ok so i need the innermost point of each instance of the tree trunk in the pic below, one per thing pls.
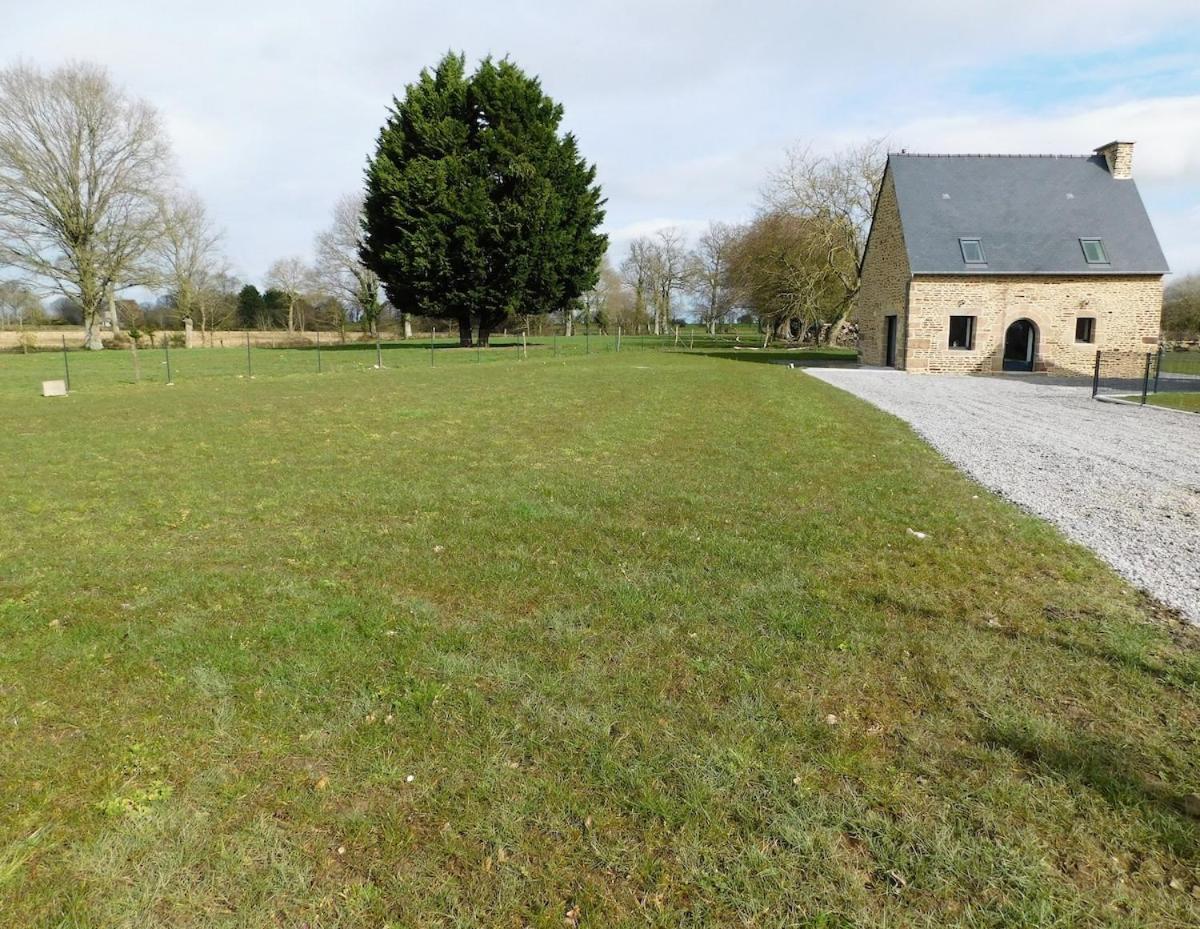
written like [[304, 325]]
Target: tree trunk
[[569, 327], [291, 315], [407, 326], [836, 330], [464, 330], [112, 313], [485, 333], [92, 336]]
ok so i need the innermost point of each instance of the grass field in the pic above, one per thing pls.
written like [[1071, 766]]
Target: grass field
[[635, 639], [22, 374], [1179, 401]]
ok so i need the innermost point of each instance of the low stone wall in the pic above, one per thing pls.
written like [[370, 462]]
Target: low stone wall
[[52, 337]]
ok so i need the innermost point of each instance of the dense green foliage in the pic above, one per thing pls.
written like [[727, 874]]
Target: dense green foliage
[[476, 207], [602, 630], [250, 306], [1181, 309]]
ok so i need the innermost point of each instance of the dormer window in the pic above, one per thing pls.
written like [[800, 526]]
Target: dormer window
[[1093, 251], [972, 251]]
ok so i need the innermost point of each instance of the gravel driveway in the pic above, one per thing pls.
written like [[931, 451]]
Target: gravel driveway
[[1121, 480]]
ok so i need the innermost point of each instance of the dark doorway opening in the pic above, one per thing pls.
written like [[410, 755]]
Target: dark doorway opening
[[1020, 346], [889, 357]]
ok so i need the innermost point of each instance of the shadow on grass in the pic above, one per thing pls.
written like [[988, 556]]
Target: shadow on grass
[[413, 344], [814, 357], [1094, 763]]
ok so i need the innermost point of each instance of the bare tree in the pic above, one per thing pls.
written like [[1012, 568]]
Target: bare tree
[[81, 167], [838, 192], [216, 298], [188, 252], [637, 271], [293, 278], [779, 269], [340, 269], [708, 278], [19, 305], [669, 274], [609, 302]]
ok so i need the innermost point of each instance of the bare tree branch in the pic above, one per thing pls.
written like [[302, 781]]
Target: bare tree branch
[[339, 267], [836, 195], [293, 278]]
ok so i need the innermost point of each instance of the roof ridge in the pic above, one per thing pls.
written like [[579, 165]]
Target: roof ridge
[[906, 154]]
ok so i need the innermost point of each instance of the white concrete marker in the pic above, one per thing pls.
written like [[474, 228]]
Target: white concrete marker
[[54, 388]]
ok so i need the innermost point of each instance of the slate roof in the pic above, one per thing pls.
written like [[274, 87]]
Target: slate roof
[[1029, 212]]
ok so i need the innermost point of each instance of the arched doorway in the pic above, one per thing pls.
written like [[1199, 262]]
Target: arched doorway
[[1020, 346]]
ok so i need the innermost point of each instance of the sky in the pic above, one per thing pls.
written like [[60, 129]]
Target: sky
[[273, 106]]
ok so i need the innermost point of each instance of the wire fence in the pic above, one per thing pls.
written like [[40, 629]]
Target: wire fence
[[1144, 376], [164, 360]]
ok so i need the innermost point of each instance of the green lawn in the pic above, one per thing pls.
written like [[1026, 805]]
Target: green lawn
[[21, 375], [1179, 401], [635, 639], [1181, 362]]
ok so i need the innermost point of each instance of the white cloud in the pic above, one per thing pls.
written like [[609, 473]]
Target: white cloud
[[1166, 129]]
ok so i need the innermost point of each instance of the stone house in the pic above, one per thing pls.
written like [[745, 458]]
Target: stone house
[[978, 263]]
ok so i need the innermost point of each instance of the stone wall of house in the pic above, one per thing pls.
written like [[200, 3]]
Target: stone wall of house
[[1127, 311], [884, 285]]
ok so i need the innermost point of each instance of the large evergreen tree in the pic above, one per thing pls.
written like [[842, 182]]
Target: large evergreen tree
[[476, 206], [250, 307]]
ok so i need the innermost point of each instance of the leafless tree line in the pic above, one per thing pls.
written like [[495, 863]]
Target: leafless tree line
[[336, 282], [90, 206], [793, 267]]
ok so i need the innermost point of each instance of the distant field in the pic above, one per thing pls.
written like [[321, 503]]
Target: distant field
[[635, 639]]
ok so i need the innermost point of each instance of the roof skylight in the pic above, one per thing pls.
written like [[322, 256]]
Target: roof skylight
[[1093, 251], [972, 251]]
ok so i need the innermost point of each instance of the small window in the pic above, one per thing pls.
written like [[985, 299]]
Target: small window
[[1093, 251], [962, 332], [972, 251], [1085, 329]]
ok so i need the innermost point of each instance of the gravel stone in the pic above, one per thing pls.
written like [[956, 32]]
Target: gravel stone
[[1124, 481]]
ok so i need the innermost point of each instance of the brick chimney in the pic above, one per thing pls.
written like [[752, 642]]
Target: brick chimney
[[1119, 156]]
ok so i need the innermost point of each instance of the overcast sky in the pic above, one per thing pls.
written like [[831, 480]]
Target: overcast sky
[[274, 106]]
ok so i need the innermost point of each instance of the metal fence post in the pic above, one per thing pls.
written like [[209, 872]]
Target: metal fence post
[[618, 338], [378, 350], [167, 351], [249, 364], [432, 334], [1157, 367], [66, 364], [1096, 376], [1146, 378], [318, 333]]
